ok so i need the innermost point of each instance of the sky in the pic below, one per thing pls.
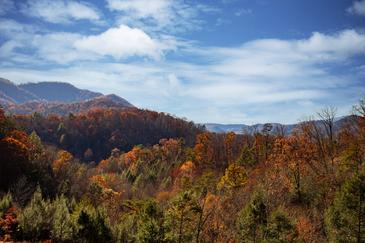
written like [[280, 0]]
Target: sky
[[211, 61]]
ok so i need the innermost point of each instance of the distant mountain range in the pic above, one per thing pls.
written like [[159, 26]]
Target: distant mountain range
[[54, 98], [276, 127], [243, 128]]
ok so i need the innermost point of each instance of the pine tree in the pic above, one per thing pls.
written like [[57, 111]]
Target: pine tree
[[279, 229], [35, 220], [346, 218], [252, 221], [151, 224], [62, 225]]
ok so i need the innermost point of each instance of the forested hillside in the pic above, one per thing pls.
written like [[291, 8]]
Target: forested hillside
[[183, 185], [92, 135]]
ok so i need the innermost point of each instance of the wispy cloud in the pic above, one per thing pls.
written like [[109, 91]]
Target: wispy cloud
[[160, 15], [6, 6], [60, 11], [358, 7], [243, 11]]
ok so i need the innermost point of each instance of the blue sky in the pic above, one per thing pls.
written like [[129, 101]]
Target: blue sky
[[224, 61]]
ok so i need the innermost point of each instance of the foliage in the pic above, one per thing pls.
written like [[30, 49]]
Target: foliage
[[139, 176], [346, 218]]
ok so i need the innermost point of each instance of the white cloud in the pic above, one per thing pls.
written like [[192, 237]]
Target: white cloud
[[120, 42], [358, 7], [218, 84], [60, 11], [160, 15], [6, 6], [65, 47]]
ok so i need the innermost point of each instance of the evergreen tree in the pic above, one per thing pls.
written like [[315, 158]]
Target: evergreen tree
[[62, 225], [252, 221], [35, 220], [279, 229], [346, 218], [151, 224], [93, 226]]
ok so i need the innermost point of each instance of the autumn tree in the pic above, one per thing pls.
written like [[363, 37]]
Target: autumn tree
[[14, 161], [203, 149], [234, 177]]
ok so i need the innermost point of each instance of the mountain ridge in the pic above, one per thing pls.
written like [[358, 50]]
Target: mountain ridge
[[54, 98], [276, 127], [58, 91]]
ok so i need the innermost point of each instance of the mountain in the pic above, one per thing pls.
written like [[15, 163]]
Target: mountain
[[58, 92], [11, 93], [47, 108], [54, 98], [243, 128], [276, 127]]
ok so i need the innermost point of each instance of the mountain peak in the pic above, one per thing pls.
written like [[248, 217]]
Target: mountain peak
[[54, 97]]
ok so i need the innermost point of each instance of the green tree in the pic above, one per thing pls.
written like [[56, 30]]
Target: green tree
[[180, 218], [252, 221], [93, 226], [5, 203], [35, 220], [151, 224], [62, 226], [346, 218], [279, 229]]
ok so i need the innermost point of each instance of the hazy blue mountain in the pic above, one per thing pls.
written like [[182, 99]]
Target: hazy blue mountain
[[11, 93], [243, 128], [54, 98], [58, 92], [276, 127]]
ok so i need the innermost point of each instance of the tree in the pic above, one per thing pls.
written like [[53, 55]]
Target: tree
[[228, 144], [247, 157], [151, 223], [93, 226], [8, 218], [5, 203], [280, 229], [14, 161], [252, 220], [35, 220], [62, 226], [346, 218], [234, 177], [180, 217]]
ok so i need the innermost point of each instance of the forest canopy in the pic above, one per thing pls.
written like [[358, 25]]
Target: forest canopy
[[157, 178]]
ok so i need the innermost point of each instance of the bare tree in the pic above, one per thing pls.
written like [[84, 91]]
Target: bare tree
[[327, 118]]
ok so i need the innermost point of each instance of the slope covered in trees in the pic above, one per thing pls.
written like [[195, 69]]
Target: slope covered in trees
[[306, 187], [92, 135]]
